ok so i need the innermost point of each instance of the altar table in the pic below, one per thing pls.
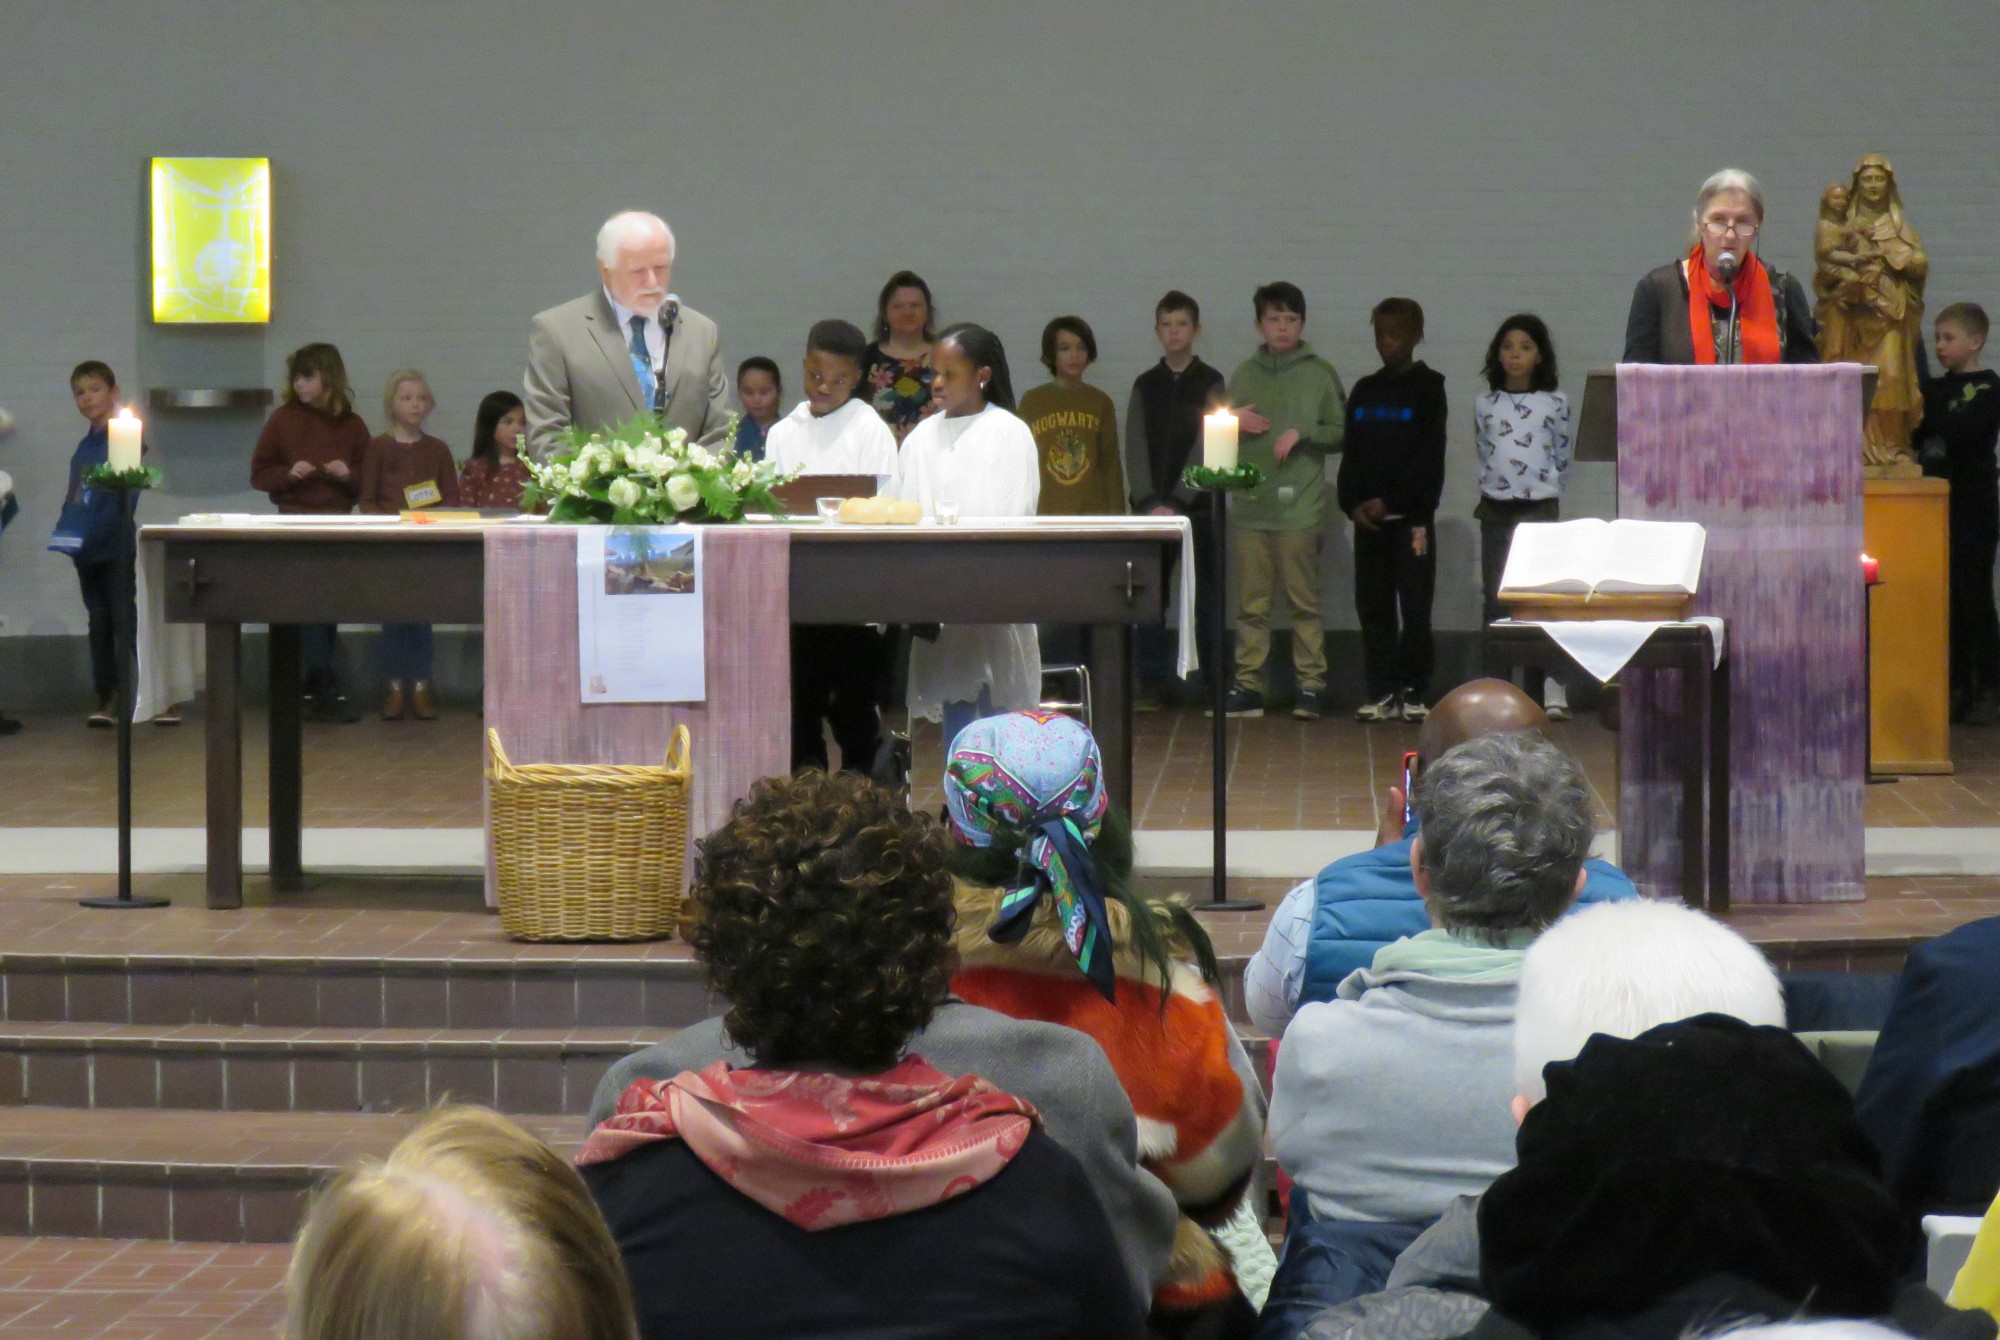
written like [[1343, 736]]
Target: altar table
[[1106, 572]]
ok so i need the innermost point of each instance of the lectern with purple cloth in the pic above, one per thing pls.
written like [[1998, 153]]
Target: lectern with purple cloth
[[1768, 458]]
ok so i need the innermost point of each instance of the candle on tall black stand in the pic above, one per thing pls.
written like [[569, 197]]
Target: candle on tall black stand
[[1217, 475], [126, 641]]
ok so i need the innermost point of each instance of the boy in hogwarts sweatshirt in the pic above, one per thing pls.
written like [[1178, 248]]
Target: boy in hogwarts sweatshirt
[[1391, 474], [1290, 411]]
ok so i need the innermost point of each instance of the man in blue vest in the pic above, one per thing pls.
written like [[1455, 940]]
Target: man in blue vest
[[1333, 923]]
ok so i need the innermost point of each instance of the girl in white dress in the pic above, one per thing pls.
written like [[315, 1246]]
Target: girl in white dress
[[973, 454]]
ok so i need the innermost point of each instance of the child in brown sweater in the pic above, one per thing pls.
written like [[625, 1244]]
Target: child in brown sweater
[[1075, 427], [407, 470], [308, 458]]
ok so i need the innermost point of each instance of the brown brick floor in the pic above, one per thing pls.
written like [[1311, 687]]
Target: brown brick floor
[[139, 1290], [1284, 774]]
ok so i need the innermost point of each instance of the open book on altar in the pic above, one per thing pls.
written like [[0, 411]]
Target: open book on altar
[[1594, 557]]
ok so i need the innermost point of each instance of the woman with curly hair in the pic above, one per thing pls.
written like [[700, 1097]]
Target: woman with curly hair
[[838, 1186], [1049, 929]]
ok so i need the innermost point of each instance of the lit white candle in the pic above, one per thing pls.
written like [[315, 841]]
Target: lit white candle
[[1218, 440], [125, 432]]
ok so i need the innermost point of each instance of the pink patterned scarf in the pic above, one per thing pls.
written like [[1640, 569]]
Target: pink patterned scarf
[[825, 1150]]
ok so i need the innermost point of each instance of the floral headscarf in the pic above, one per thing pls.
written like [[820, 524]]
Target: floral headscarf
[[1038, 774]]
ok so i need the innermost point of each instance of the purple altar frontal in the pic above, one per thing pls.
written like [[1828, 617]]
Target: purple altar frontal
[[1768, 459]]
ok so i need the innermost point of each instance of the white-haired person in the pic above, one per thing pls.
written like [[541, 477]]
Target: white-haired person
[[1719, 303], [628, 346], [471, 1229], [1390, 1100]]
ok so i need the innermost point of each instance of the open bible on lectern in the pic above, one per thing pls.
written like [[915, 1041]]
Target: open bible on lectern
[[1596, 557]]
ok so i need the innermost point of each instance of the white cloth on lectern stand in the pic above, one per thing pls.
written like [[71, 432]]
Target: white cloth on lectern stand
[[1603, 646]]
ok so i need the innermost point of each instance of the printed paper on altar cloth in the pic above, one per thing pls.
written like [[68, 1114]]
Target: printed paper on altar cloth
[[639, 614]]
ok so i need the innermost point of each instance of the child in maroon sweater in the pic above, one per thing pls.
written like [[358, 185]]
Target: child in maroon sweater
[[308, 458], [407, 470]]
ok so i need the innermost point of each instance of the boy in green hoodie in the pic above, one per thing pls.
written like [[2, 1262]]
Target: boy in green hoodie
[[1291, 412]]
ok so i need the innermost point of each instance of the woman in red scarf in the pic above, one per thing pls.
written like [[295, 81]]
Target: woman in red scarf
[[1720, 303], [840, 1186]]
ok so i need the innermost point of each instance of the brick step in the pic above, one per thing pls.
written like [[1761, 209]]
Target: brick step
[[595, 986], [185, 1176], [161, 1290], [256, 1069]]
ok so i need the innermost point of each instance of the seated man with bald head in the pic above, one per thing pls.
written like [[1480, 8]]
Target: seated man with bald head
[[630, 345], [1334, 923]]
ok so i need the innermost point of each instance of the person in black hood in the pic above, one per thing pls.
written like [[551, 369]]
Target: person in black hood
[[1705, 1173]]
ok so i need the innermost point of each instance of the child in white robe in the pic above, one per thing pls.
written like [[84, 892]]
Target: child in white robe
[[832, 431], [840, 672], [977, 456]]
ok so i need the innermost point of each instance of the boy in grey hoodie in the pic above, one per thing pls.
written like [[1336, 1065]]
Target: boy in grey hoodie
[[1392, 1099]]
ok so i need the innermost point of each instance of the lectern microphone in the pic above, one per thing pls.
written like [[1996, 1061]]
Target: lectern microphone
[[1726, 266]]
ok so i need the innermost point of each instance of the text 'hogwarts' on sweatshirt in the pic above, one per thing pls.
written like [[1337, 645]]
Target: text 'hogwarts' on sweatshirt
[[1395, 443], [1295, 390], [1076, 441]]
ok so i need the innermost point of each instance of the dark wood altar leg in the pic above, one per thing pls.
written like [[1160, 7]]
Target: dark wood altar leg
[[1694, 883], [1718, 787], [286, 745], [225, 765], [1109, 655]]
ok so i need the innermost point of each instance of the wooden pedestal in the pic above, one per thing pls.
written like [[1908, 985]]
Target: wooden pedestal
[[1907, 527]]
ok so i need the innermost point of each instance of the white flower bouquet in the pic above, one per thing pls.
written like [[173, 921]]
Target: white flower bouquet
[[637, 475]]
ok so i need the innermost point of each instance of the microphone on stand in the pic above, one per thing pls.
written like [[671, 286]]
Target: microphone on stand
[[669, 316], [1726, 265]]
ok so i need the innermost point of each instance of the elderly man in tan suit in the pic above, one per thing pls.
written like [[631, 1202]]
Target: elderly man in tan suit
[[629, 346]]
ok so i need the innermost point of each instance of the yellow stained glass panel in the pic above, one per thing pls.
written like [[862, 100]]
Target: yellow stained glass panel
[[211, 240]]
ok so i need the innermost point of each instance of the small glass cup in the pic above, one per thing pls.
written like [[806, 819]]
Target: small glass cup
[[947, 514], [829, 508]]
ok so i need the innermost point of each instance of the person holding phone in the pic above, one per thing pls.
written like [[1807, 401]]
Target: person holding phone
[[1335, 922]]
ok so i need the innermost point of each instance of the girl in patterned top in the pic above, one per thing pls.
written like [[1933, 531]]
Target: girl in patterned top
[[896, 372], [1522, 429], [493, 475]]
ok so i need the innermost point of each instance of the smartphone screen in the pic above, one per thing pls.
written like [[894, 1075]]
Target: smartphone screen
[[1409, 785]]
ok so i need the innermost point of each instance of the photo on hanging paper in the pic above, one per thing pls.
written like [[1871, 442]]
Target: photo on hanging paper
[[646, 563], [640, 651]]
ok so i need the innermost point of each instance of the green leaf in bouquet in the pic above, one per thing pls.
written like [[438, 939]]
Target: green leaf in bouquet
[[718, 496]]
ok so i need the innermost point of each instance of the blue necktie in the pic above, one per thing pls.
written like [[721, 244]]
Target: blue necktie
[[642, 363]]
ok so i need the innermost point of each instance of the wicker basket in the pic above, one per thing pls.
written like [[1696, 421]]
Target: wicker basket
[[589, 851]]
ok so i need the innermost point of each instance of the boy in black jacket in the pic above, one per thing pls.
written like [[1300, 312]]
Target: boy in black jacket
[[1391, 474], [1957, 438], [1162, 429]]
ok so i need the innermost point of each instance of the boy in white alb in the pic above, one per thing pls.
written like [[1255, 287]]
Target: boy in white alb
[[832, 432], [840, 672]]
